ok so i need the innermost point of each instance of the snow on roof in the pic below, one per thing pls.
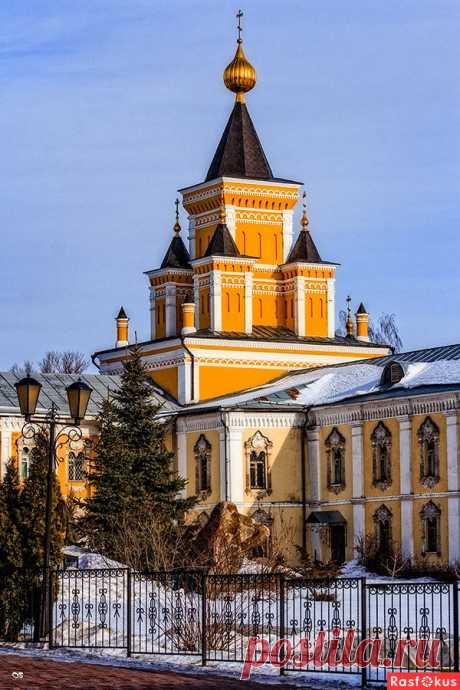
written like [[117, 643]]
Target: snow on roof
[[332, 384]]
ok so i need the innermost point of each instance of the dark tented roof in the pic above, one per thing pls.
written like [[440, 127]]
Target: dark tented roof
[[222, 243], [304, 249], [240, 153], [361, 309], [177, 255], [122, 314]]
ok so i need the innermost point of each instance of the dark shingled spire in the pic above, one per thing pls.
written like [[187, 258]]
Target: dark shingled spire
[[122, 314], [361, 309], [177, 255], [222, 243], [304, 250], [240, 153]]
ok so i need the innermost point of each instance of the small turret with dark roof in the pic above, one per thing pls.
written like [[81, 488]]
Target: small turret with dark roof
[[304, 249], [222, 243], [361, 309], [177, 255]]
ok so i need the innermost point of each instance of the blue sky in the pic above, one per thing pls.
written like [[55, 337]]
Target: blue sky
[[109, 106]]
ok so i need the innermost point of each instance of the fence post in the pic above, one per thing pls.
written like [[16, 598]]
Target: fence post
[[128, 614], [50, 609], [456, 623], [363, 626], [282, 622], [203, 619]]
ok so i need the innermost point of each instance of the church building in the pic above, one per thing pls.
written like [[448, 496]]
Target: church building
[[245, 298]]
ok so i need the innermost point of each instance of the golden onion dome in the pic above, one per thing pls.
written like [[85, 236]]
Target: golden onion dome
[[240, 75]]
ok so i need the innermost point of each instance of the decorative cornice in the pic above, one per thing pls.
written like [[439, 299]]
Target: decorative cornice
[[384, 409]]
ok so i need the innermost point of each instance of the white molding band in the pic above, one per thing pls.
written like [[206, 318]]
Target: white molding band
[[170, 303], [299, 313], [331, 307], [248, 288], [216, 301]]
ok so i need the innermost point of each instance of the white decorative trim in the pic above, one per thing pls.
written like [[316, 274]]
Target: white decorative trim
[[384, 409], [216, 301], [314, 464], [405, 437], [357, 461], [208, 422], [299, 314], [407, 529], [235, 465], [153, 314], [170, 304], [452, 451], [331, 307], [248, 293], [287, 232]]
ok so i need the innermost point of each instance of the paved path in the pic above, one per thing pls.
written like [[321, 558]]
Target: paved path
[[44, 674]]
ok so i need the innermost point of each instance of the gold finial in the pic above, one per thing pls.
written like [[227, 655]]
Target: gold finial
[[304, 219], [349, 323], [222, 218], [177, 227], [239, 75]]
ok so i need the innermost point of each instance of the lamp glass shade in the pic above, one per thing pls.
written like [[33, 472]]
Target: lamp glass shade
[[28, 389], [78, 395]]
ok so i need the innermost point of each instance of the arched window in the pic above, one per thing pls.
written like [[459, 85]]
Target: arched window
[[275, 245], [431, 522], [260, 308], [243, 234], [25, 464], [381, 443], [75, 468], [335, 451], [259, 237], [202, 451], [428, 441], [228, 301], [310, 304], [383, 518], [238, 301], [258, 475]]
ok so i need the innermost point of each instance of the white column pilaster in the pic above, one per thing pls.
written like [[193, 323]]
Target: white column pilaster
[[5, 450], [230, 219], [405, 483], [453, 502], [287, 233], [357, 464], [222, 466], [182, 459], [331, 307], [170, 305], [191, 236], [248, 283], [235, 459], [299, 312], [196, 299], [216, 301], [153, 315], [314, 466]]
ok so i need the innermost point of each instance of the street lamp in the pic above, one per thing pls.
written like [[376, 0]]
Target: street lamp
[[78, 395]]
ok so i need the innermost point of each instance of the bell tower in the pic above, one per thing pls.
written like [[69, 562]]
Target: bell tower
[[243, 303]]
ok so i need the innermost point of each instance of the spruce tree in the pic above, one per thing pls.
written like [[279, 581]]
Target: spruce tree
[[12, 578], [132, 471]]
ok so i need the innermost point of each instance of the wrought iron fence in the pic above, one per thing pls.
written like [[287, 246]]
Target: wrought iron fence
[[416, 624]]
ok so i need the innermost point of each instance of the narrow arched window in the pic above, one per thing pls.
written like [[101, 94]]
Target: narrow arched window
[[381, 443], [24, 469], [310, 304], [243, 234], [259, 237], [258, 474], [335, 452], [202, 452], [428, 440], [228, 301], [431, 524], [383, 519], [260, 308], [275, 245], [238, 301], [75, 467]]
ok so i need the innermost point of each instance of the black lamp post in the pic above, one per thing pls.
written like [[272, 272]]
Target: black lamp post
[[78, 395]]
